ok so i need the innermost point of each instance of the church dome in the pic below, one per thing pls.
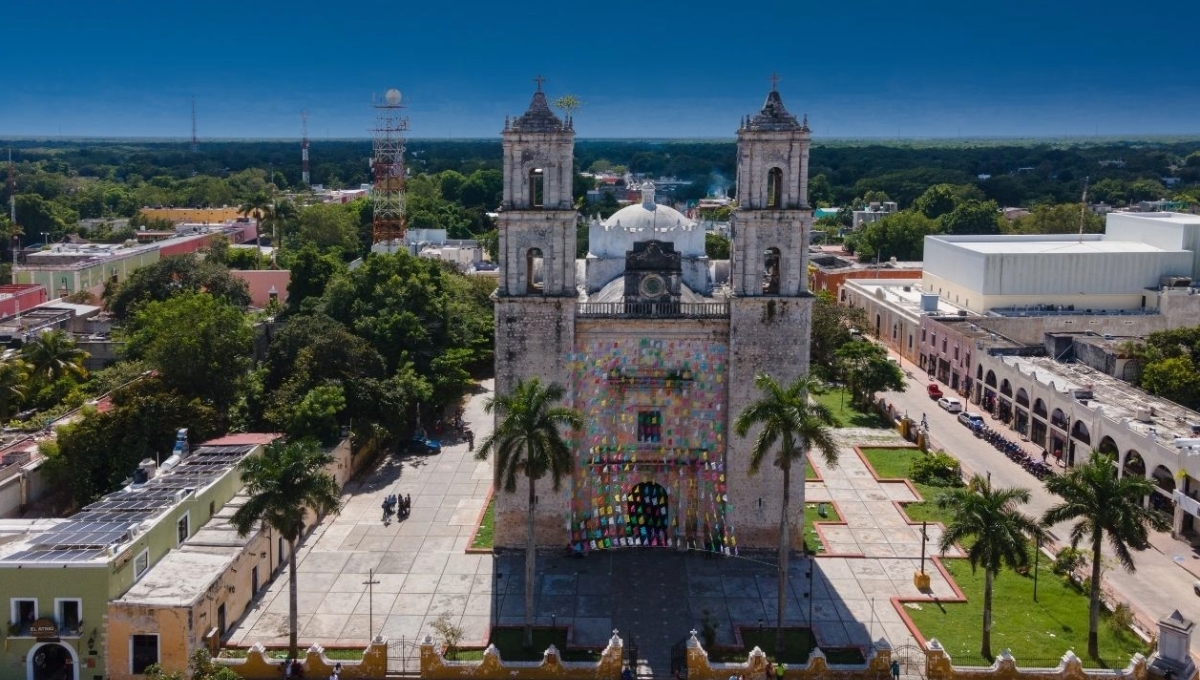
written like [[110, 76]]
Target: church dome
[[649, 220]]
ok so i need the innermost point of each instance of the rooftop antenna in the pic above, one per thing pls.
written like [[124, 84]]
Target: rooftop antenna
[[1083, 209], [195, 141], [304, 148]]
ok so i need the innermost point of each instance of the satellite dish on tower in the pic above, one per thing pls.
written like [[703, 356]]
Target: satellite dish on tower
[[393, 97]]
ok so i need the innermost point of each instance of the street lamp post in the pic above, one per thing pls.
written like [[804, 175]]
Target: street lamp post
[[370, 584]]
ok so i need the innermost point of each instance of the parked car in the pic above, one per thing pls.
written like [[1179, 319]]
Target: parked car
[[935, 391], [971, 420], [423, 445], [950, 404]]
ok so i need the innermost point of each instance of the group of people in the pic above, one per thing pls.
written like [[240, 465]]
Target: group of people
[[401, 505]]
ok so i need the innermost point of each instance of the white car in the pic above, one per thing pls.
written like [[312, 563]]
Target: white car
[[950, 404]]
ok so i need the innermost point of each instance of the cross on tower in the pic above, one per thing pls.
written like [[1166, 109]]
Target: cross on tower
[[539, 80], [774, 81]]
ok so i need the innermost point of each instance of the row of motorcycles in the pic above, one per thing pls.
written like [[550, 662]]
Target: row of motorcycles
[[1014, 452]]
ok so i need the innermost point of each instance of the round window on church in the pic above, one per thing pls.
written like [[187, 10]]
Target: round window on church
[[653, 286]]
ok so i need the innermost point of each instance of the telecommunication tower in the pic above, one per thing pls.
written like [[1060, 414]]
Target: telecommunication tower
[[387, 169], [195, 141], [304, 149]]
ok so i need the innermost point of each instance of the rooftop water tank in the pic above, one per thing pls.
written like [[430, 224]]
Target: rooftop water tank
[[929, 302]]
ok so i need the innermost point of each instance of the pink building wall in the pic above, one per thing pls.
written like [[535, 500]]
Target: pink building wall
[[261, 281], [19, 297]]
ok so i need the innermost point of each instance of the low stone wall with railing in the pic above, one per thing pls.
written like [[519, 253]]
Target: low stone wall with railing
[[878, 665], [434, 666], [939, 666], [314, 664]]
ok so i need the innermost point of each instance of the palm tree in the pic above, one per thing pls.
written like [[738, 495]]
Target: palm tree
[[989, 516], [53, 355], [792, 422], [1104, 504], [284, 483], [257, 205], [274, 213], [14, 385], [528, 441]]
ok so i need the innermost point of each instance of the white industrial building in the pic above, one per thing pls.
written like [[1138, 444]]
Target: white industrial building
[[1083, 273]]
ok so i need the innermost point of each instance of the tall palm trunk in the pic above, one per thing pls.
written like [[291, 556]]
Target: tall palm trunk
[[784, 546], [986, 648], [293, 600], [530, 568], [1094, 614]]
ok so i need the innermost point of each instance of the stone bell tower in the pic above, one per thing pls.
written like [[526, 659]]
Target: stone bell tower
[[535, 301], [770, 312]]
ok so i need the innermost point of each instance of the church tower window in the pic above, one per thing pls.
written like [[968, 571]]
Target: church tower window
[[533, 271], [771, 265], [775, 188], [537, 188]]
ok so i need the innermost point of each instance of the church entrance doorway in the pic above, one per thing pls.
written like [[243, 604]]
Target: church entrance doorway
[[51, 661], [646, 507]]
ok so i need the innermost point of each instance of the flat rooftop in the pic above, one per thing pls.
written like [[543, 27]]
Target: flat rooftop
[[1119, 400], [98, 531], [1019, 246], [907, 294]]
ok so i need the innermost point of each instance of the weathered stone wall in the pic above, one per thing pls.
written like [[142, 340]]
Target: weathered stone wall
[[534, 337], [550, 231], [257, 666], [435, 667], [767, 335], [755, 232]]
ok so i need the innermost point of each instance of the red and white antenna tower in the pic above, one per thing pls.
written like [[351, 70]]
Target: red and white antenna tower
[[195, 140], [387, 170], [304, 176]]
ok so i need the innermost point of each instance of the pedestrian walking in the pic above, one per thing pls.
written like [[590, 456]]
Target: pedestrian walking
[[895, 670], [470, 440]]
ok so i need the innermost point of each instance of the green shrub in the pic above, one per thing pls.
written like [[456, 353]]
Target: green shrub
[[936, 469], [1068, 560]]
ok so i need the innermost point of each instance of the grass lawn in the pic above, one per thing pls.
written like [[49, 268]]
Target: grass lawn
[[1037, 633], [837, 400], [896, 464], [487, 527], [797, 645], [811, 542]]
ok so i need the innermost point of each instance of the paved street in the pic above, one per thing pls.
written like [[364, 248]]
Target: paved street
[[1164, 576]]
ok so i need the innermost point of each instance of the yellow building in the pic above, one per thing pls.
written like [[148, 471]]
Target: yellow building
[[193, 215], [190, 598]]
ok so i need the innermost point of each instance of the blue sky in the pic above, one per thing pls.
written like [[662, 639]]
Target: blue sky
[[652, 69]]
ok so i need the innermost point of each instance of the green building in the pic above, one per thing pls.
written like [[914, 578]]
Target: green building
[[57, 576]]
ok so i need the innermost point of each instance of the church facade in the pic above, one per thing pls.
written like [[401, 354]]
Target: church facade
[[656, 360]]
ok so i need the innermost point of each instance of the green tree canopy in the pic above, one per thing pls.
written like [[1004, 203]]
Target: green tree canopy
[[900, 235], [328, 226], [172, 275], [199, 344], [865, 368]]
